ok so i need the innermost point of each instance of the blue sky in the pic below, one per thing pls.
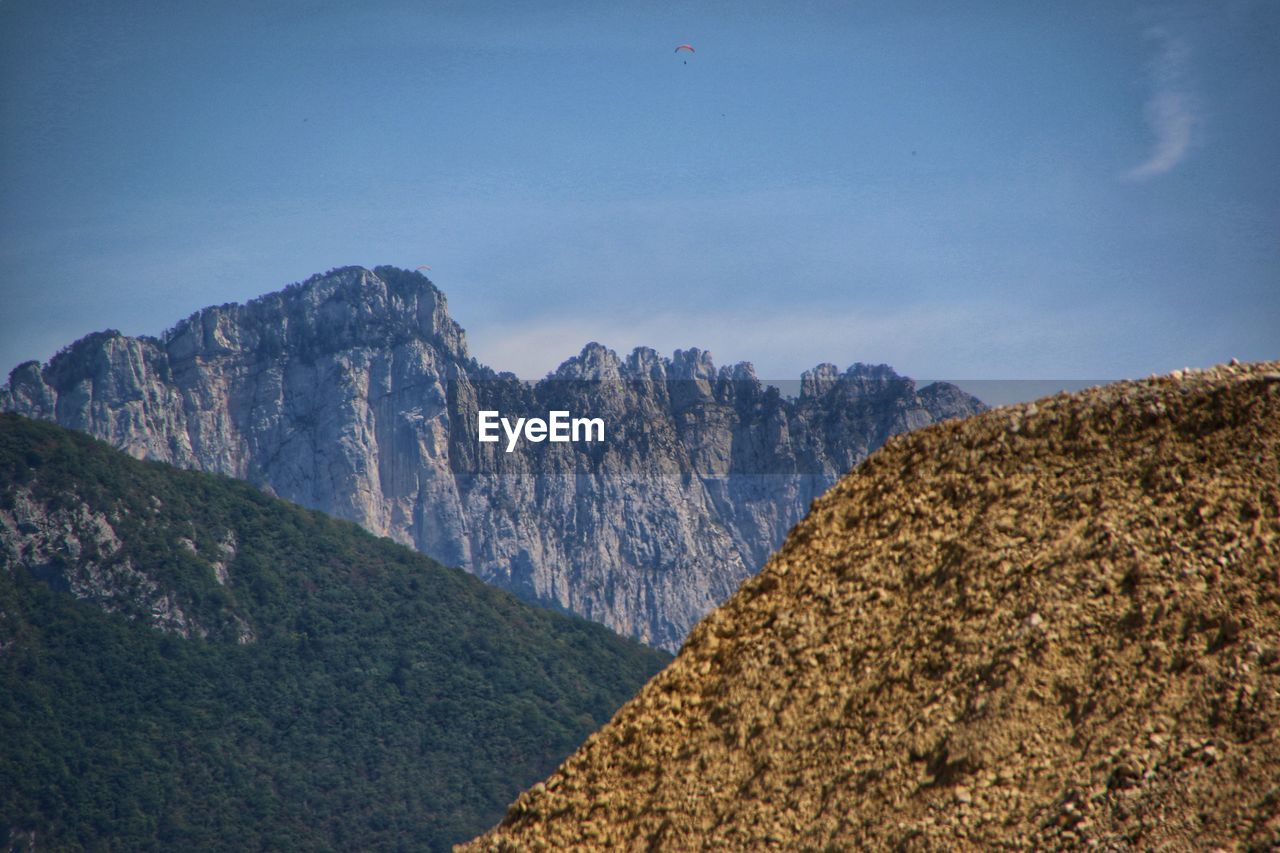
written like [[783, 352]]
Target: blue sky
[[1008, 190]]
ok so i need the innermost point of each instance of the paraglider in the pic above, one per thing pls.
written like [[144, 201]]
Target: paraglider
[[687, 47], [424, 267]]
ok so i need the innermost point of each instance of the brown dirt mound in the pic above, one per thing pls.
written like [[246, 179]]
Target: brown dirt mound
[[1052, 625]]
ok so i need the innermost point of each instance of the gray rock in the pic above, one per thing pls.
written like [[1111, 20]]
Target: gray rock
[[76, 549], [354, 393]]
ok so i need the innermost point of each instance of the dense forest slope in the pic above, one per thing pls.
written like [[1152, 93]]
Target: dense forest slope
[[1054, 625], [187, 663], [354, 393]]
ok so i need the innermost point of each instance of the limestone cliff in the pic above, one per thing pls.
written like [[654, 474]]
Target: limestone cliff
[[354, 393]]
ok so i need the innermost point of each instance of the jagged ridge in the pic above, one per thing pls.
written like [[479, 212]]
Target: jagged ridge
[[354, 393]]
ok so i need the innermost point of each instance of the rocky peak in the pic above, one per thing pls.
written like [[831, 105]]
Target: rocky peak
[[352, 392], [819, 380], [27, 392], [347, 308], [645, 363], [857, 380], [595, 363], [743, 371], [693, 364]]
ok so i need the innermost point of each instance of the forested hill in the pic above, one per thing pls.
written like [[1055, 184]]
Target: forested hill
[[188, 663]]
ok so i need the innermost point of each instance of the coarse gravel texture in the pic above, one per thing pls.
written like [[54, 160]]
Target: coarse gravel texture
[[1053, 625]]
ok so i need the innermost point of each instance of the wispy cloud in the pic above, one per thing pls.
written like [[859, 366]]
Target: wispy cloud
[[947, 340], [780, 343], [1170, 110]]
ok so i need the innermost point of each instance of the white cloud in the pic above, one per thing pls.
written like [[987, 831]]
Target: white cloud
[[943, 340], [1171, 118], [1170, 110], [772, 341]]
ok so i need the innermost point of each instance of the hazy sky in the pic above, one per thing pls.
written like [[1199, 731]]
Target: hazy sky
[[1008, 190]]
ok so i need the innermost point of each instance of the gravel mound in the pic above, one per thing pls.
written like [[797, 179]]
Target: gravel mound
[[1051, 625]]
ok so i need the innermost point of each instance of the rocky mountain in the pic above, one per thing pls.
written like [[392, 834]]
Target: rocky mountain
[[189, 664], [1050, 626], [354, 393]]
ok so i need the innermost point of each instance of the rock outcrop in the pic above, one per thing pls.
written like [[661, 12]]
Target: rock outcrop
[[354, 393], [73, 547], [1050, 626]]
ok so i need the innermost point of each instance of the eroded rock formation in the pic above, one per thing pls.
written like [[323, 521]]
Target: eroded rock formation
[[354, 393]]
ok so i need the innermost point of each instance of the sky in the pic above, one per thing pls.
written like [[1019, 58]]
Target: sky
[[998, 190]]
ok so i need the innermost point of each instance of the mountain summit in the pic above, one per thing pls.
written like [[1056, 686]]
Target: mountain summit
[[354, 393]]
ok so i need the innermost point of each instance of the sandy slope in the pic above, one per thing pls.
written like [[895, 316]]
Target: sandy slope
[[1050, 625]]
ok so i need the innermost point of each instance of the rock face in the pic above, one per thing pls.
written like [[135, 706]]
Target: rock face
[[73, 547], [1051, 626], [354, 393]]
